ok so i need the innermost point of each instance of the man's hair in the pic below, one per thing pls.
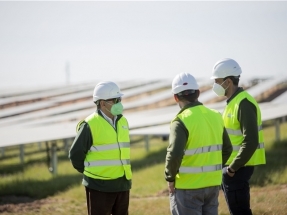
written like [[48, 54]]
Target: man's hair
[[234, 79], [98, 104], [188, 95]]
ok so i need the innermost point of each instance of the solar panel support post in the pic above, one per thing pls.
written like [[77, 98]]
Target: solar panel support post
[[54, 158], [146, 138], [21, 148], [40, 146], [2, 149], [277, 129], [66, 145]]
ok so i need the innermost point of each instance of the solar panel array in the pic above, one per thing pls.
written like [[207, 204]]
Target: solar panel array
[[52, 113]]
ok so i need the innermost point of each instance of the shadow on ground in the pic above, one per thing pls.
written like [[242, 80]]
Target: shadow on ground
[[17, 167], [276, 162], [150, 159], [30, 189]]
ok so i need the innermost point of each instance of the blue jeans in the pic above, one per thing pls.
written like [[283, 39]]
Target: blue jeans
[[237, 191], [202, 201]]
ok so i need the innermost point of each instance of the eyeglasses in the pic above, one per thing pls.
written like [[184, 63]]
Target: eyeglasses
[[115, 100]]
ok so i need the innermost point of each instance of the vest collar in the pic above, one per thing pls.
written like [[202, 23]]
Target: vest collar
[[109, 120], [239, 90], [190, 105], [103, 115]]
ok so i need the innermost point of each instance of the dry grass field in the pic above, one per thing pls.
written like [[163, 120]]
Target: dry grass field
[[32, 190]]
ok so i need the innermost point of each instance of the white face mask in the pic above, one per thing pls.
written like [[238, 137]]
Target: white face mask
[[218, 89]]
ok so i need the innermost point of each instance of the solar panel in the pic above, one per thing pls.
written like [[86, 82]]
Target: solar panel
[[59, 122]]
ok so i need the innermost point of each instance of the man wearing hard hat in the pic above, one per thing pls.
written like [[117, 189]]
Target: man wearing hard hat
[[198, 147], [242, 119], [101, 151]]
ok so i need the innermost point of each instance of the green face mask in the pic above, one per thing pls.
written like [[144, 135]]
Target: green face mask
[[116, 108]]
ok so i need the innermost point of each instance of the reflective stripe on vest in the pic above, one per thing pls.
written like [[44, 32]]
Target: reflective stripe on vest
[[203, 156], [110, 146], [260, 146], [238, 132], [205, 149], [200, 169], [107, 163], [109, 156], [236, 136]]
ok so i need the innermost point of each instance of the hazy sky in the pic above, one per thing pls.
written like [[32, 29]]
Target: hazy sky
[[137, 40]]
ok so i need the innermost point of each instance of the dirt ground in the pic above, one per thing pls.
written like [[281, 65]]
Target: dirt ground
[[265, 201], [22, 204]]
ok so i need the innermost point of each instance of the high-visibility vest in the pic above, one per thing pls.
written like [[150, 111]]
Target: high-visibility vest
[[232, 126], [202, 161], [109, 155]]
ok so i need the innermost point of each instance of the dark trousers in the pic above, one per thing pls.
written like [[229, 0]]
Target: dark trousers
[[107, 203], [237, 191]]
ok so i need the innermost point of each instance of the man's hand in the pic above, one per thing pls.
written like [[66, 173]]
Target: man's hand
[[170, 187], [230, 171]]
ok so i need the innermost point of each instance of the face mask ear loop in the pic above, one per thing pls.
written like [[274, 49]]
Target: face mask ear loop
[[107, 109], [223, 82], [226, 87]]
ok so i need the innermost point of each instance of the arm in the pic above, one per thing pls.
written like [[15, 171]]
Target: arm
[[80, 147], [247, 116], [175, 151], [226, 147]]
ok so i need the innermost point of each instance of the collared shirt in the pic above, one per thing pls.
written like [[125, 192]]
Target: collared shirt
[[112, 122]]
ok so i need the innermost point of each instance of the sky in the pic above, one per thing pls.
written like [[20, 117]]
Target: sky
[[42, 42]]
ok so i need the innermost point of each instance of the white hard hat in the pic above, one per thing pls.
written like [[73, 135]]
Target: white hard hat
[[183, 81], [224, 68], [106, 90]]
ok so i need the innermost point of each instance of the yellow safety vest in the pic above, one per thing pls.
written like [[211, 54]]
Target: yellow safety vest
[[202, 161], [235, 134], [109, 155]]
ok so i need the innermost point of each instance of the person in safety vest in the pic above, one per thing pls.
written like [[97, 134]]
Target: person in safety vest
[[101, 151], [242, 119], [198, 147]]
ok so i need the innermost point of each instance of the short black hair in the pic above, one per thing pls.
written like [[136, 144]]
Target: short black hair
[[188, 95], [234, 79], [98, 104]]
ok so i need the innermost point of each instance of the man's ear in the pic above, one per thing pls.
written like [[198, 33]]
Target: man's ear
[[175, 97], [102, 103], [229, 81]]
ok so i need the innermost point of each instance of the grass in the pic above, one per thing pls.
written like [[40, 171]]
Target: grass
[[39, 192]]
